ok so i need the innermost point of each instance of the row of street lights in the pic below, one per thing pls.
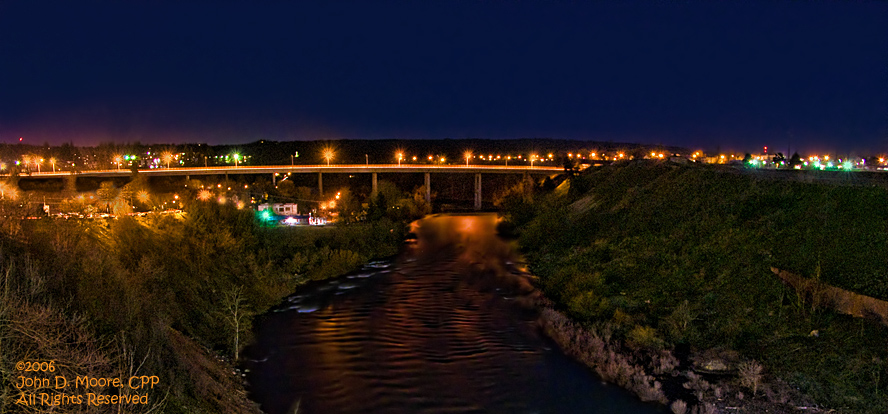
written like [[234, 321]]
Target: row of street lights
[[328, 154], [27, 160], [168, 157], [469, 155]]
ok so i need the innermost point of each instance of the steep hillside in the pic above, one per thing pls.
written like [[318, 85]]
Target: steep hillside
[[672, 257]]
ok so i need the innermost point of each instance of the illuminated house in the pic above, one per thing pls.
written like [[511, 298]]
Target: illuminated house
[[279, 209]]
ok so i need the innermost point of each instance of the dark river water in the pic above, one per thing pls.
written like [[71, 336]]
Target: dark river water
[[443, 328]]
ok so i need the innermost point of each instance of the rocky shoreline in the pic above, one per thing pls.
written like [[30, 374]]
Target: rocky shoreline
[[707, 382]]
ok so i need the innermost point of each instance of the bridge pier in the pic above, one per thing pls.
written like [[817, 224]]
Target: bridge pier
[[321, 184], [478, 191], [428, 188], [373, 192], [274, 180]]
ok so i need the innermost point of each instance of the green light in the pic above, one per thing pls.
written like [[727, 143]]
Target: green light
[[847, 165]]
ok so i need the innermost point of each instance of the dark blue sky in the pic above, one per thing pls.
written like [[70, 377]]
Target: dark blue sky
[[813, 75]]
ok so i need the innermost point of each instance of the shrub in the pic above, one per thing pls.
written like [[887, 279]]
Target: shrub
[[644, 337], [750, 375], [664, 362], [679, 407]]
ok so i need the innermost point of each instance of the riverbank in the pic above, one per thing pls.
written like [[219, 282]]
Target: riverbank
[[657, 377], [663, 376], [660, 274], [167, 298]]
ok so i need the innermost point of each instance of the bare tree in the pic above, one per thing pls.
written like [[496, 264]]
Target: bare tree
[[235, 314]]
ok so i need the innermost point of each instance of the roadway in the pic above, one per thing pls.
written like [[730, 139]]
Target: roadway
[[308, 169]]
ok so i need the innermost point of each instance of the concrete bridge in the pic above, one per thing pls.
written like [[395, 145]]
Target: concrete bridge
[[372, 169]]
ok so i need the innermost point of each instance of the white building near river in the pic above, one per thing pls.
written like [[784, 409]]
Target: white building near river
[[280, 209]]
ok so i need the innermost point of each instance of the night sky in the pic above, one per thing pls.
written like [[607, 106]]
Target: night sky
[[811, 76]]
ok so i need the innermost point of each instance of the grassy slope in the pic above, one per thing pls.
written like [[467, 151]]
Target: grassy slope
[[687, 251]]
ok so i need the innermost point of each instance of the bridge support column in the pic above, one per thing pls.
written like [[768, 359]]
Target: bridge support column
[[428, 188], [478, 191], [321, 184], [187, 178], [274, 179], [374, 184]]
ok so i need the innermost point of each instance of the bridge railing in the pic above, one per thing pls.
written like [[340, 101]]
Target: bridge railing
[[312, 168]]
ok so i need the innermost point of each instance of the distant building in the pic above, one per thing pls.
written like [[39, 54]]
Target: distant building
[[279, 209], [306, 220], [298, 220]]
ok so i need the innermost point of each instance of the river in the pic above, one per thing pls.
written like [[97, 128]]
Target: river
[[443, 328]]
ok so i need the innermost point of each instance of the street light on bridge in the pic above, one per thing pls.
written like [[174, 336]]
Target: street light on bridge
[[468, 155], [328, 155], [236, 158], [117, 159], [400, 157]]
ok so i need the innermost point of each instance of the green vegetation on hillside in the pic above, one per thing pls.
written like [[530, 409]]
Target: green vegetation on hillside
[[159, 295], [679, 256]]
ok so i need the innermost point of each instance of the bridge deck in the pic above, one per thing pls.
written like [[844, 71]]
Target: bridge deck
[[339, 168]]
